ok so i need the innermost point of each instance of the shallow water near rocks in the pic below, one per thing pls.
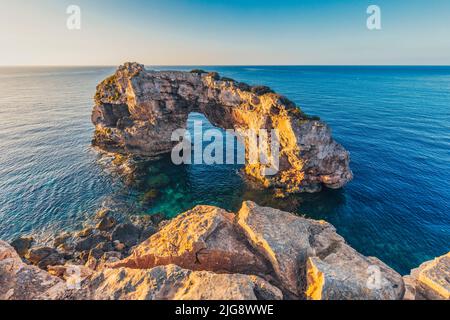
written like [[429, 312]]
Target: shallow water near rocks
[[395, 121]]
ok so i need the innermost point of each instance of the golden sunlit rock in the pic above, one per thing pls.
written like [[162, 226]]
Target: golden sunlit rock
[[136, 111], [209, 253], [431, 280], [203, 238], [311, 260], [171, 282]]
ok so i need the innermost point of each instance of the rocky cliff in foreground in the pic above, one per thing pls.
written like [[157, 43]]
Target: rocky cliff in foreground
[[209, 253], [137, 110], [430, 281]]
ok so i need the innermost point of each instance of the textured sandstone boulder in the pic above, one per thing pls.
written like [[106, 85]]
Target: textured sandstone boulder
[[126, 233], [347, 275], [22, 245], [311, 259], [174, 283], [106, 223], [281, 237], [204, 238], [19, 281], [43, 257], [430, 281], [137, 110]]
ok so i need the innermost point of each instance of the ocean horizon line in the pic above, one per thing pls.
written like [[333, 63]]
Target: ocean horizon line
[[229, 65]]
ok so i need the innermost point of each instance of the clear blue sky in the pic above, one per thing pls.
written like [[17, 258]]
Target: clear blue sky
[[209, 32]]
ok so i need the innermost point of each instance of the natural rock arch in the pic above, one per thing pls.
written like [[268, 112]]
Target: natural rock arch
[[136, 111]]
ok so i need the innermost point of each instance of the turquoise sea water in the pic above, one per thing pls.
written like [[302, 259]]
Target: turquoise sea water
[[395, 121]]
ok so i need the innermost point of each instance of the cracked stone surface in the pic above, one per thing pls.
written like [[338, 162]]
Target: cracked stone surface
[[19, 281], [430, 281], [204, 238], [171, 282], [304, 258], [312, 260]]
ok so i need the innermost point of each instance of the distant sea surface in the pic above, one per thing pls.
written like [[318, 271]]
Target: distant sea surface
[[395, 121]]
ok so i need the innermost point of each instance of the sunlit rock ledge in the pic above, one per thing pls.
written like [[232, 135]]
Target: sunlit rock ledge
[[136, 111], [430, 281], [209, 253]]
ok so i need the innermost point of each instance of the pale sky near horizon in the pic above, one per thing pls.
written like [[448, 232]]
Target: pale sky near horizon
[[213, 32]]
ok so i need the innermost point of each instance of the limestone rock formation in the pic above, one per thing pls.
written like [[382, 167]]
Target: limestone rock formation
[[284, 244], [171, 282], [209, 253], [311, 259], [304, 258], [137, 110], [347, 275], [430, 281], [19, 281], [203, 238], [22, 245]]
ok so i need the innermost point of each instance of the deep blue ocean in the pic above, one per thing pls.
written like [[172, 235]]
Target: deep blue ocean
[[395, 121]]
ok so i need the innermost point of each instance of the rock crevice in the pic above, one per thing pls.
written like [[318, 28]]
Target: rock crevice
[[288, 251]]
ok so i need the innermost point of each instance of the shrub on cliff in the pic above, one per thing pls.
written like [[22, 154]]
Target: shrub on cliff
[[260, 90], [227, 79], [198, 71], [109, 90], [214, 75]]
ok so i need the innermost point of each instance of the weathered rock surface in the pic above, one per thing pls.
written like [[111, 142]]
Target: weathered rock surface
[[19, 281], [44, 256], [107, 238], [22, 245], [137, 110], [430, 281], [203, 238], [311, 259], [89, 242], [284, 244], [209, 253], [106, 223], [347, 275], [303, 257], [171, 282], [127, 233]]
